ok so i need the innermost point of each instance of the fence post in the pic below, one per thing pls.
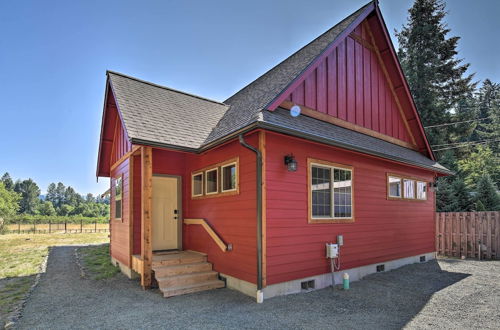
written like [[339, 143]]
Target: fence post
[[34, 226], [19, 226], [65, 226], [81, 225], [95, 226]]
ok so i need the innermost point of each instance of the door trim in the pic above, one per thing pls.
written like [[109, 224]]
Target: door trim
[[179, 206]]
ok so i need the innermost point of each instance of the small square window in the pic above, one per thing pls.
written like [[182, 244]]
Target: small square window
[[118, 197], [394, 187], [211, 181], [421, 190], [197, 185], [409, 188], [229, 177]]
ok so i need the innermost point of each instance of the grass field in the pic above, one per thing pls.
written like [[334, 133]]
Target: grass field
[[57, 226], [21, 256], [97, 263]]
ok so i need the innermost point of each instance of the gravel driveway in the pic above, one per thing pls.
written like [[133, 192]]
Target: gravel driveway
[[446, 294]]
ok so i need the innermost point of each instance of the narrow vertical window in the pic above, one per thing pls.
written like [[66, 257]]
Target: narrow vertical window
[[409, 188], [321, 192], [197, 185], [421, 190], [394, 184], [118, 197], [229, 177], [211, 181]]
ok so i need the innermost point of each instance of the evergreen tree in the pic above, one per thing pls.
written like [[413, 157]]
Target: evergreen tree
[[7, 181], [46, 208], [51, 194], [489, 108], [9, 201], [487, 195], [30, 194], [60, 195], [444, 196], [428, 56], [462, 201]]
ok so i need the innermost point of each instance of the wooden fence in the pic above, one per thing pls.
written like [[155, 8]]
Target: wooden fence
[[468, 234]]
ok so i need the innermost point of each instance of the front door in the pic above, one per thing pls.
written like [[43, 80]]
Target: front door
[[166, 213]]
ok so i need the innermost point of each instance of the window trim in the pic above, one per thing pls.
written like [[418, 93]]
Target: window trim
[[220, 193], [119, 177], [202, 183], [222, 177], [332, 165], [415, 186], [426, 185], [216, 169], [389, 187]]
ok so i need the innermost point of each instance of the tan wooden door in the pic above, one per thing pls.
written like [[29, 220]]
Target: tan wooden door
[[165, 213]]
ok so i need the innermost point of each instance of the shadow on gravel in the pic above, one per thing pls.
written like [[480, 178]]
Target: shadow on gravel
[[386, 300]]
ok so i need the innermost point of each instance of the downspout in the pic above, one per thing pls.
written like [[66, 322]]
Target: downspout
[[259, 214]]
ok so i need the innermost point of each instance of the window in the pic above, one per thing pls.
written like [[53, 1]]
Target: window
[[229, 177], [409, 188], [405, 188], [118, 197], [211, 181], [421, 190], [197, 184], [216, 180], [394, 187], [330, 192]]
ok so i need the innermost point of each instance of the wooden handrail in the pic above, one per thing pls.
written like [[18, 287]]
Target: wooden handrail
[[223, 246]]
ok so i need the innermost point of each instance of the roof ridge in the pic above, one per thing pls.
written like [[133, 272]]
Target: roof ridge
[[164, 87], [301, 48]]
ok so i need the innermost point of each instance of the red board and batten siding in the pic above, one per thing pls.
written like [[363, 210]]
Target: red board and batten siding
[[349, 84], [121, 144], [383, 229]]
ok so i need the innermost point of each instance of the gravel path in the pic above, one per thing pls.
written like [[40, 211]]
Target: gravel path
[[446, 294]]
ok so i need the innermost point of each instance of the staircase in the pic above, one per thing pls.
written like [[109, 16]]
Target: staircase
[[184, 272]]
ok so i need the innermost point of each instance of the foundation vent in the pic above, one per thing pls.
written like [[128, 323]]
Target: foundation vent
[[307, 285], [380, 268], [422, 258]]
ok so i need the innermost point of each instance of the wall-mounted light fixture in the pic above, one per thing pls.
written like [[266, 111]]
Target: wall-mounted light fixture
[[291, 163]]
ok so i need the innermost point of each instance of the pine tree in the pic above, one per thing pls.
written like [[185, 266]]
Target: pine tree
[[30, 194], [428, 56], [489, 108], [7, 181], [462, 201], [487, 194], [444, 197]]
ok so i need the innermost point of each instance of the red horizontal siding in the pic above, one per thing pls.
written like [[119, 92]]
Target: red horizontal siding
[[383, 229], [120, 229]]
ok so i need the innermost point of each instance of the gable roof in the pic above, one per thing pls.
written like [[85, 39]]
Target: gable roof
[[156, 114], [255, 97], [160, 116]]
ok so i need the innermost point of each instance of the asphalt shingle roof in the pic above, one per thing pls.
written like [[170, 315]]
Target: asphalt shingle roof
[[163, 115]]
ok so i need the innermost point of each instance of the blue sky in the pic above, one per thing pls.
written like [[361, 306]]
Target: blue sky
[[54, 54]]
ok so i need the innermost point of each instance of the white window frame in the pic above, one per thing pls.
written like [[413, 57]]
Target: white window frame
[[332, 167], [222, 177], [216, 169], [116, 198], [202, 184]]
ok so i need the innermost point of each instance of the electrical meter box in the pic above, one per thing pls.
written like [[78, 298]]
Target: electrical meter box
[[332, 250]]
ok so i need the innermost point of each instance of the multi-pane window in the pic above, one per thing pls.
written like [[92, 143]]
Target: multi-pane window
[[401, 187], [211, 180], [394, 187], [330, 191], [409, 188], [421, 190], [118, 197], [228, 177], [197, 184]]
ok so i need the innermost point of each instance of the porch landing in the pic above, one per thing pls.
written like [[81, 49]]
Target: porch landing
[[181, 272]]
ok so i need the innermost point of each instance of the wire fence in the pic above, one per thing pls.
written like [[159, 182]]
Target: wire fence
[[81, 226]]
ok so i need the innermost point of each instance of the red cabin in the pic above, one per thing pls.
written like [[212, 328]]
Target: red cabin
[[326, 147]]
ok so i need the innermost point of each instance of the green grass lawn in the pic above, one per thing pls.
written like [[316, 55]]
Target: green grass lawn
[[96, 262], [21, 256]]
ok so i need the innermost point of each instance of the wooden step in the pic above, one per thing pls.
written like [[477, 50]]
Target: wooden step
[[162, 271], [209, 285], [184, 257], [186, 279]]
